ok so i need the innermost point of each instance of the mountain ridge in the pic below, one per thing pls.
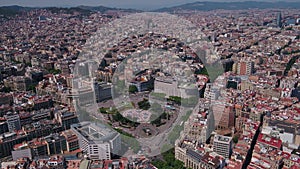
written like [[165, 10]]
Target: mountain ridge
[[208, 6], [197, 6], [16, 9]]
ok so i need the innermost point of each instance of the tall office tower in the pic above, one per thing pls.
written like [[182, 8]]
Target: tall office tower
[[245, 68], [222, 145], [97, 140], [13, 121], [279, 20]]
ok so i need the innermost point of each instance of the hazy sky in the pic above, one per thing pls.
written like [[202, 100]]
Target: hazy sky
[[138, 4]]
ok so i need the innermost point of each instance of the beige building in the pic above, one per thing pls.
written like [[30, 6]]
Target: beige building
[[171, 87]]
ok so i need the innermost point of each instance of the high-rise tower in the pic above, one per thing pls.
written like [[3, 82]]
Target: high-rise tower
[[279, 20]]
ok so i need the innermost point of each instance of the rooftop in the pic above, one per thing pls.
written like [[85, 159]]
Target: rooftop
[[95, 132], [273, 142], [223, 139]]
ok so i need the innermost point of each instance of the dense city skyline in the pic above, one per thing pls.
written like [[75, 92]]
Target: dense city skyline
[[196, 86]]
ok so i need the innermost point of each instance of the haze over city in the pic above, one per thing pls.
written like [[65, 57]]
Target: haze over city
[[135, 4]]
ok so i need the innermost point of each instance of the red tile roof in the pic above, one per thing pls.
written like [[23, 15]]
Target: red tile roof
[[273, 142]]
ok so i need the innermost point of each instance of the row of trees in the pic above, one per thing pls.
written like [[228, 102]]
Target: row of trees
[[117, 117]]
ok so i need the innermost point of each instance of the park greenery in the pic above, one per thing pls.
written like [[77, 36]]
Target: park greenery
[[175, 99], [168, 161], [117, 117], [123, 132], [144, 104], [105, 110]]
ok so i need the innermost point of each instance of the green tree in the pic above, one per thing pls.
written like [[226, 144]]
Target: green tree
[[103, 110], [202, 71], [133, 89], [169, 161], [117, 117], [145, 105], [54, 71], [235, 138], [175, 99]]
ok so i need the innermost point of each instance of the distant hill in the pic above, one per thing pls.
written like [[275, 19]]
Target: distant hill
[[207, 6], [200, 6], [68, 10], [12, 10], [8, 11], [104, 9]]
